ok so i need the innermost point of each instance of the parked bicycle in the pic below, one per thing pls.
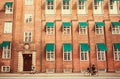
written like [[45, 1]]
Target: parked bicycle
[[91, 71]]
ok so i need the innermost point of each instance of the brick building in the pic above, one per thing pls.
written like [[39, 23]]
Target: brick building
[[59, 35]]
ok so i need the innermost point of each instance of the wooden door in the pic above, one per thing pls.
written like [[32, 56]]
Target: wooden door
[[27, 63]]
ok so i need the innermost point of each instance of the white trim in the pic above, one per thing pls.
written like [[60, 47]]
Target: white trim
[[98, 8], [29, 2], [27, 37], [113, 7], [8, 9], [67, 70], [102, 55], [68, 53], [66, 11], [85, 54], [50, 70], [7, 69], [99, 30], [82, 11], [50, 11], [116, 53], [66, 30], [6, 53], [8, 27], [83, 31], [28, 18], [50, 55], [20, 61], [50, 30], [115, 29]]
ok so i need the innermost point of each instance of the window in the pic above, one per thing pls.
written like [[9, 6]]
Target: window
[[6, 53], [28, 2], [5, 68], [101, 55], [116, 54], [83, 55], [8, 8], [28, 37], [50, 6], [66, 7], [66, 30], [99, 30], [97, 7], [50, 30], [81, 7], [8, 27], [28, 18], [50, 55], [83, 30], [115, 29], [67, 56], [113, 7]]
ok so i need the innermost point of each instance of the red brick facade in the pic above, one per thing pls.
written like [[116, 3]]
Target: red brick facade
[[40, 38]]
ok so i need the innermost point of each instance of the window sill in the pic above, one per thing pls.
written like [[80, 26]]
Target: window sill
[[98, 14], [114, 14]]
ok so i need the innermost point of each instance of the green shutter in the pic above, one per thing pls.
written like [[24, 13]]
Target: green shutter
[[66, 24], [50, 47], [117, 46], [98, 0], [66, 0], [116, 24], [5, 43], [49, 0], [50, 24], [83, 24], [100, 24], [102, 47], [116, 0], [82, 0], [67, 47], [8, 4], [84, 47]]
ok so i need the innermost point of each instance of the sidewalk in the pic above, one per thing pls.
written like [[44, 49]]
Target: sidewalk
[[56, 74]]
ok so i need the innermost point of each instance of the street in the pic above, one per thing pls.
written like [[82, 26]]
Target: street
[[70, 77], [60, 76]]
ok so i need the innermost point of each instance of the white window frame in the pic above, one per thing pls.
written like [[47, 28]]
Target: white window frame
[[101, 55], [8, 9], [115, 29], [5, 68], [50, 7], [84, 55], [99, 30], [50, 56], [82, 30], [67, 55], [98, 7], [81, 7], [28, 2], [28, 18], [67, 30], [66, 8], [49, 30], [27, 37], [116, 53], [8, 27], [113, 7], [6, 53]]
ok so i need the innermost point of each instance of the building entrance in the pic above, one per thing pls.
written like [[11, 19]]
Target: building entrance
[[27, 62]]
